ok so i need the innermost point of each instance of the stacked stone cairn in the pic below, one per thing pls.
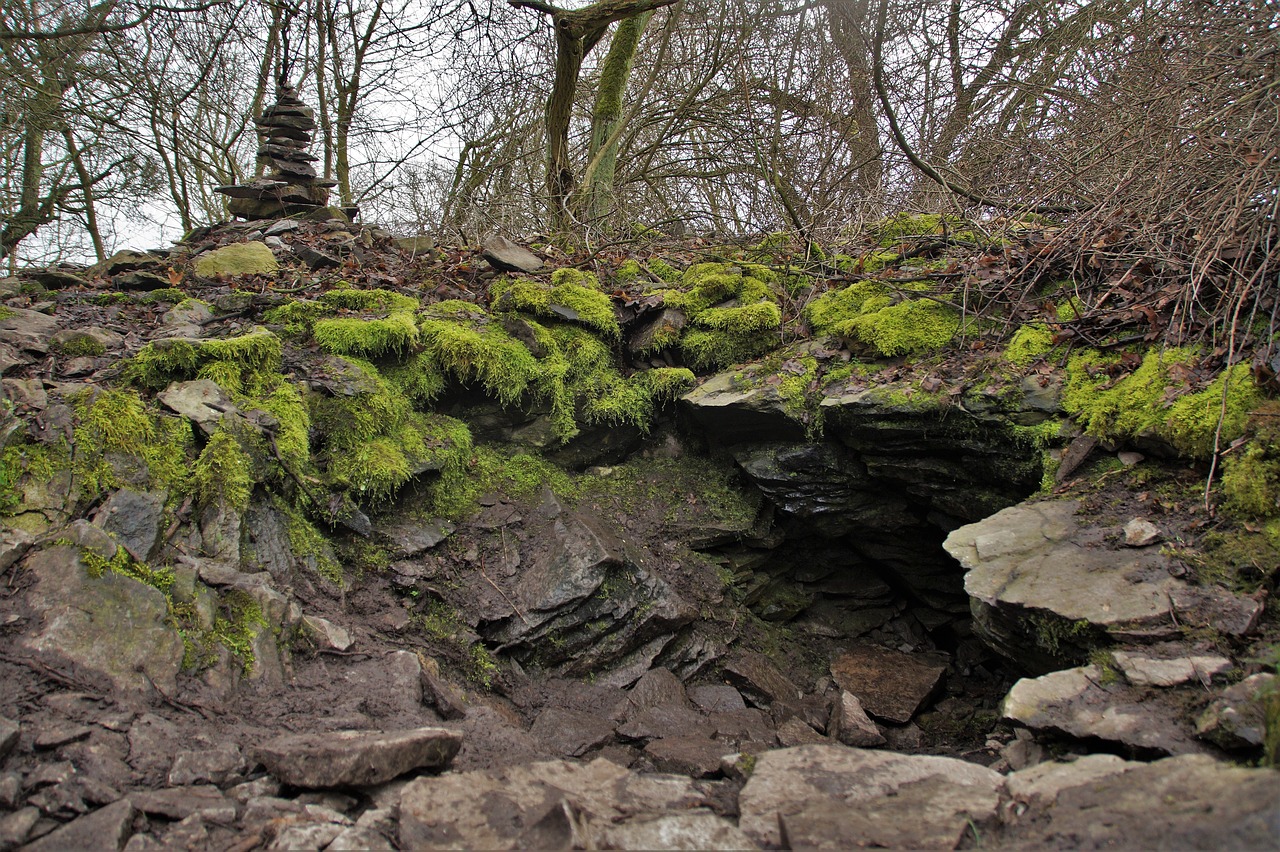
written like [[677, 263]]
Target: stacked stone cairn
[[291, 187]]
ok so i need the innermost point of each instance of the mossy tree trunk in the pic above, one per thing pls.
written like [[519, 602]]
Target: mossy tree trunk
[[577, 32], [602, 155]]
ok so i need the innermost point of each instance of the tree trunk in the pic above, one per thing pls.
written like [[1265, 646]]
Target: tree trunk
[[606, 114]]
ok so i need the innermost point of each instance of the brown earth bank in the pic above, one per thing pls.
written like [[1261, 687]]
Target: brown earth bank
[[354, 543]]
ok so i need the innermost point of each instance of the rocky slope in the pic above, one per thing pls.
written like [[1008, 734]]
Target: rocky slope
[[314, 539]]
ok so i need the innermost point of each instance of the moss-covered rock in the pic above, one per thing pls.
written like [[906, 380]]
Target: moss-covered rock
[[252, 258], [571, 295], [885, 318], [732, 310]]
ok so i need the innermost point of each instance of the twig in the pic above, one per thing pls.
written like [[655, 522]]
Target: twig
[[510, 602]]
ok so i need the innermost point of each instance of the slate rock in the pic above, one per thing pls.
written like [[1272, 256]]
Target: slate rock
[[30, 331], [178, 803], [111, 625], [737, 414], [1236, 718], [1140, 532], [199, 400], [251, 258], [344, 758], [534, 805], [450, 701], [326, 634], [805, 787], [758, 679], [86, 340], [141, 281], [665, 720], [411, 538], [1074, 702], [655, 688], [16, 827], [26, 393], [571, 733], [890, 684], [716, 698], [742, 727], [9, 731], [853, 727], [56, 279], [105, 828], [217, 765], [134, 518], [505, 256], [1184, 802], [696, 829], [127, 260], [695, 756], [1145, 670]]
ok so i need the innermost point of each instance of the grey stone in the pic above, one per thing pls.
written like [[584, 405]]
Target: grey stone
[[105, 828], [199, 400], [410, 538], [142, 281], [505, 256], [1236, 718], [758, 679], [450, 701], [1185, 802], [736, 414], [695, 756], [802, 788], [342, 758], [28, 393], [494, 809], [127, 260], [16, 827], [696, 829], [178, 803], [665, 720], [14, 544], [134, 518], [30, 331], [216, 765], [655, 688], [1144, 670], [716, 698], [9, 731], [1076, 703], [111, 625], [188, 315], [571, 733], [1039, 558], [853, 727], [326, 634], [796, 732], [315, 835], [87, 340], [392, 683], [54, 734], [1140, 532], [890, 684]]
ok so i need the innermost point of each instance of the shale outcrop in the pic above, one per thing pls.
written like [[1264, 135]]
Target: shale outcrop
[[419, 554]]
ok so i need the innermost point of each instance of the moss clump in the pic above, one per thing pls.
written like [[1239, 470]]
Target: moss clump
[[223, 472], [1147, 401], [663, 271], [873, 314], [237, 624], [634, 400], [302, 316], [78, 345], [572, 294], [1251, 474], [1028, 343], [252, 258], [627, 272], [114, 427], [366, 337], [732, 310], [894, 229], [231, 362], [461, 340], [487, 471], [126, 566], [376, 442], [310, 545], [164, 294]]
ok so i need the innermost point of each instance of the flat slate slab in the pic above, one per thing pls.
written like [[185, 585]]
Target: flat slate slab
[[354, 758], [890, 685]]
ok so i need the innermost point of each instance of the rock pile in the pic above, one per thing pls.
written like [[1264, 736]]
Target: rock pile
[[292, 187]]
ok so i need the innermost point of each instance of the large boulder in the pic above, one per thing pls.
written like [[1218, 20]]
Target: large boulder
[[105, 622], [252, 258], [829, 796], [1046, 588], [347, 758]]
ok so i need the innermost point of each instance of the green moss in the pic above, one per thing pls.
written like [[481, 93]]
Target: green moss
[[376, 442], [1243, 559], [627, 272], [481, 666], [297, 317], [894, 229], [165, 294], [79, 344], [571, 294], [419, 377], [468, 345], [114, 426], [1028, 343], [368, 301], [366, 337], [223, 472], [233, 361], [914, 327], [238, 622], [126, 566], [518, 475], [5, 312], [662, 270], [1060, 638], [1147, 401], [310, 545], [732, 310]]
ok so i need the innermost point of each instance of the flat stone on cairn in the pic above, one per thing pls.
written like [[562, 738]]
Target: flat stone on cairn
[[291, 186]]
